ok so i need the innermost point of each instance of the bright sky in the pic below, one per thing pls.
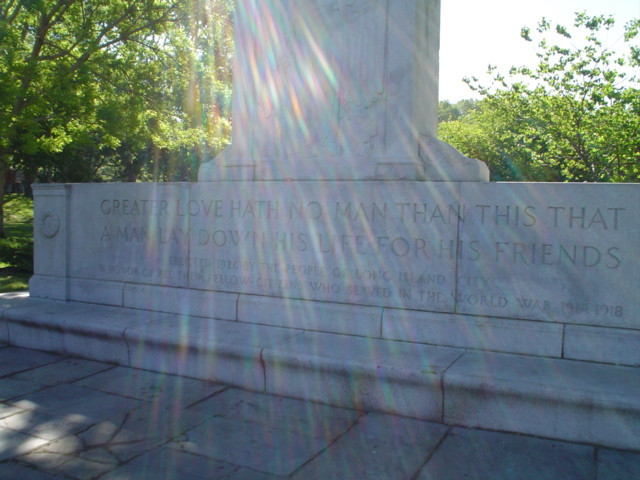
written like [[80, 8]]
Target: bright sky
[[476, 33]]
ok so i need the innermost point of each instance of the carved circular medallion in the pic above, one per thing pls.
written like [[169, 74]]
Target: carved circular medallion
[[50, 224]]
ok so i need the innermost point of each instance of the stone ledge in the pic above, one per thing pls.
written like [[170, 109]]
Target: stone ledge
[[216, 350], [364, 373], [7, 300], [489, 333], [311, 316], [183, 301], [561, 399], [605, 345], [81, 329], [480, 333]]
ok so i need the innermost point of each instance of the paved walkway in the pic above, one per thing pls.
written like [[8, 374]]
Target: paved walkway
[[69, 418]]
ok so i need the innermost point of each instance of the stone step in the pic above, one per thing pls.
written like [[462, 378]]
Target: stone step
[[561, 399]]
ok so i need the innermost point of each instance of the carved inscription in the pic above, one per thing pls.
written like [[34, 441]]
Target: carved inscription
[[556, 218], [340, 250], [378, 251], [541, 258], [516, 259], [137, 238]]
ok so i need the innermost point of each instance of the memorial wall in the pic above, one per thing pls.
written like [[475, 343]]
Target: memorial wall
[[566, 253]]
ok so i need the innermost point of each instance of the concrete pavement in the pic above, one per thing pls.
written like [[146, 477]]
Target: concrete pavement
[[69, 418]]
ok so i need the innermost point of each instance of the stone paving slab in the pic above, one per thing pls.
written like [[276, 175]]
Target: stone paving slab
[[308, 418], [41, 425], [112, 442], [379, 446], [256, 446], [128, 412], [151, 387], [12, 388], [167, 463], [617, 465], [17, 360], [264, 433], [76, 403], [11, 470], [477, 454], [17, 443], [64, 371], [8, 410], [121, 423]]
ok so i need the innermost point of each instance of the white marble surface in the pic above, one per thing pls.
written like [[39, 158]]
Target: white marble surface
[[502, 267], [557, 252], [376, 243], [480, 333], [562, 399], [598, 344], [220, 351], [336, 89], [557, 398], [315, 316], [554, 253], [129, 232], [196, 303], [361, 373]]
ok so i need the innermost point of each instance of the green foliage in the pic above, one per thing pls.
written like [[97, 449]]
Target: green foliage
[[575, 117], [448, 112], [16, 251], [18, 209], [13, 281], [94, 90]]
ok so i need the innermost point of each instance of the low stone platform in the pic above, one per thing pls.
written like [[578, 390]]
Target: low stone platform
[[555, 398], [67, 418]]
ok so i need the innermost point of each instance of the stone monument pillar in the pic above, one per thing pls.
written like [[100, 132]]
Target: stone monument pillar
[[338, 89]]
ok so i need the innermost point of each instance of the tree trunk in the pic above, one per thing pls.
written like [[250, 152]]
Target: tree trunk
[[3, 177]]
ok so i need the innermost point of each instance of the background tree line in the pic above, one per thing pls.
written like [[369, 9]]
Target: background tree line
[[575, 117], [104, 90], [140, 90]]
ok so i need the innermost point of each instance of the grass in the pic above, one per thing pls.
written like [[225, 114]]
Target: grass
[[18, 210], [13, 280], [16, 251]]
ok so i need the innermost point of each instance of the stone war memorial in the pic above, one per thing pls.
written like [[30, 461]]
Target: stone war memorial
[[336, 251]]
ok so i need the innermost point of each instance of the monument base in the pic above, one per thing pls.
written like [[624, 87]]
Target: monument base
[[420, 299], [561, 399], [539, 269], [432, 161]]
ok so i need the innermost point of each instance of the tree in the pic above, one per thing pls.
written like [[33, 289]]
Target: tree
[[448, 112], [119, 89], [575, 117], [53, 57]]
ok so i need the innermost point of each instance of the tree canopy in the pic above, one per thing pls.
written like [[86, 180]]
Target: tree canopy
[[100, 90], [575, 117], [96, 90]]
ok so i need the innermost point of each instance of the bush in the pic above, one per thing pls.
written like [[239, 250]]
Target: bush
[[17, 253]]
